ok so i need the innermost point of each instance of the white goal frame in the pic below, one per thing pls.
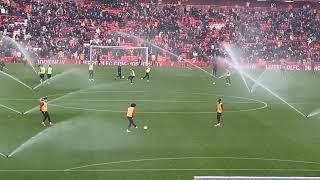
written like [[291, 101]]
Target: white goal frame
[[121, 47]]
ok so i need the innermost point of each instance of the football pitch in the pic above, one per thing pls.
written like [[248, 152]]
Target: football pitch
[[260, 135]]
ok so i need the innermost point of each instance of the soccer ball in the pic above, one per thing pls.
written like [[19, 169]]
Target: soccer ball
[[145, 127], [122, 77]]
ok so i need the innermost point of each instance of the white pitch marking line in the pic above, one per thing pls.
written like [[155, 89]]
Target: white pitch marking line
[[127, 100], [60, 97], [173, 169], [265, 105], [153, 100], [115, 100], [160, 112], [80, 91], [237, 97], [127, 170], [184, 158], [85, 92]]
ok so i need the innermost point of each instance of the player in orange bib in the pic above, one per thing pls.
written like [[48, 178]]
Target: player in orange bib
[[44, 111], [130, 115], [220, 110]]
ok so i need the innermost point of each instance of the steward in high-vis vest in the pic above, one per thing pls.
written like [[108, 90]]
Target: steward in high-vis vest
[[44, 111], [220, 110]]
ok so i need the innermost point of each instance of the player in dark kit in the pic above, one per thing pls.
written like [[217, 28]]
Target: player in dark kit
[[119, 73], [214, 69], [283, 68], [99, 60], [2, 65], [312, 66], [139, 61]]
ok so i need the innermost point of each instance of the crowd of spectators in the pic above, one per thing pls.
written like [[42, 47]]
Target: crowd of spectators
[[65, 29]]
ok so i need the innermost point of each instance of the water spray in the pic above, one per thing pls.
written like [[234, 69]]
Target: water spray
[[16, 79], [165, 50], [46, 133], [22, 50], [68, 94], [6, 156], [264, 87], [254, 86], [54, 78], [314, 113], [236, 63]]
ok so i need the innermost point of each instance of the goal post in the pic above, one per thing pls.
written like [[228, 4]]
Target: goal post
[[115, 55]]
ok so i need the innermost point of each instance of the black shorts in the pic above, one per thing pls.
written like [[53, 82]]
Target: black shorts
[[42, 76], [219, 115], [49, 76]]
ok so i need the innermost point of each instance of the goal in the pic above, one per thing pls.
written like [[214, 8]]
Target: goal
[[119, 55]]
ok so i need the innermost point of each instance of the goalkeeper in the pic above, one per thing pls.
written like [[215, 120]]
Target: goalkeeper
[[119, 73]]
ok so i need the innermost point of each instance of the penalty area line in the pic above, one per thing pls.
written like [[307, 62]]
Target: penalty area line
[[185, 158], [193, 169], [161, 169]]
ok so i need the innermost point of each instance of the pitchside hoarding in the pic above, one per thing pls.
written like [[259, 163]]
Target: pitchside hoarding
[[268, 66]]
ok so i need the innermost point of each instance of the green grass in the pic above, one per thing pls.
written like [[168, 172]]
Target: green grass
[[178, 106]]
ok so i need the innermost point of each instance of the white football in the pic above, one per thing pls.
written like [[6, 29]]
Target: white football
[[122, 77], [145, 127]]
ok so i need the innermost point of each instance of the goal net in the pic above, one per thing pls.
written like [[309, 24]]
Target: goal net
[[119, 55]]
